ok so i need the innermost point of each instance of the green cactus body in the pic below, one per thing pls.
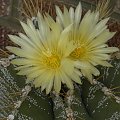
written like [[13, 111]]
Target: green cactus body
[[100, 101], [36, 106], [110, 76], [58, 107], [70, 107], [74, 102]]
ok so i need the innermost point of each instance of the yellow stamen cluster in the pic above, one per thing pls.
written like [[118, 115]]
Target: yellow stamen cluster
[[78, 53], [52, 61]]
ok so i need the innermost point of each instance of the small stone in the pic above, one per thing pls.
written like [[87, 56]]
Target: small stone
[[10, 117], [118, 55], [11, 57], [105, 89], [69, 112], [117, 99], [18, 104], [26, 90], [5, 62], [94, 82], [34, 18]]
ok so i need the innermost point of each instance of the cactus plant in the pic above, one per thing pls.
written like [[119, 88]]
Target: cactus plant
[[21, 101]]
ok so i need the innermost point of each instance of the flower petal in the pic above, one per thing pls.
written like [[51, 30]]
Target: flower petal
[[78, 13]]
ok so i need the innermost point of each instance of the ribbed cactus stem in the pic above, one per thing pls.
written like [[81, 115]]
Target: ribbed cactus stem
[[75, 107], [108, 92], [100, 101], [25, 91], [4, 63], [58, 107], [69, 107]]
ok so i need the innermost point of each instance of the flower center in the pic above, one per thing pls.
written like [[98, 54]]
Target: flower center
[[52, 61], [78, 53]]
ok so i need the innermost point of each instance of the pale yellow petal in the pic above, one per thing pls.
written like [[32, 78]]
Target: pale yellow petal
[[77, 71], [94, 71], [67, 80], [36, 74], [78, 14], [104, 63], [82, 64], [70, 47], [59, 14], [63, 40], [22, 61], [100, 57], [57, 82], [102, 38], [50, 84], [28, 70], [22, 53], [75, 77], [25, 38], [85, 25], [72, 14], [22, 67], [38, 81], [106, 50], [100, 27], [66, 17], [68, 66], [24, 44], [87, 74], [33, 36]]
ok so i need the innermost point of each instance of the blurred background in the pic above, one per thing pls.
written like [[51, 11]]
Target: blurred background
[[10, 14]]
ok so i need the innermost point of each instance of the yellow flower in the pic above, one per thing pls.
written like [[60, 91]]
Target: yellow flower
[[43, 54], [89, 37]]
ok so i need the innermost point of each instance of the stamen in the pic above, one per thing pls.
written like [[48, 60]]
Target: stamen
[[78, 53], [51, 60]]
